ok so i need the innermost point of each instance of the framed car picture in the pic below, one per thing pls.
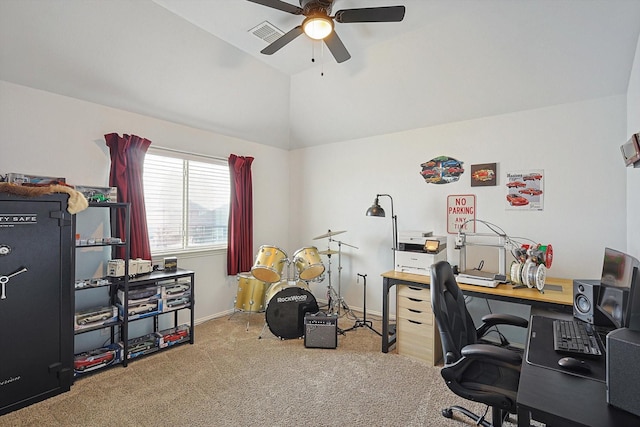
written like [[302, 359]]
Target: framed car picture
[[525, 190], [484, 175]]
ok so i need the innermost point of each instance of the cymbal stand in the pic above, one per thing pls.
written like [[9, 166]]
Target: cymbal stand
[[331, 293], [334, 300], [340, 301], [364, 323]]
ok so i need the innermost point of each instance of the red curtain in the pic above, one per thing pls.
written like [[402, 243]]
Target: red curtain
[[240, 236], [127, 166]]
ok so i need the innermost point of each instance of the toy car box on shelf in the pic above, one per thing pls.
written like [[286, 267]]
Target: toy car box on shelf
[[91, 241], [170, 263], [92, 283], [174, 336], [143, 345], [92, 360], [21, 178], [144, 309], [95, 316], [142, 302], [172, 289], [140, 294], [99, 194], [115, 267], [174, 303]]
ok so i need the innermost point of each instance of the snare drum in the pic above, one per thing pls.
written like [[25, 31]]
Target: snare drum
[[287, 303], [269, 263], [251, 293], [308, 263]]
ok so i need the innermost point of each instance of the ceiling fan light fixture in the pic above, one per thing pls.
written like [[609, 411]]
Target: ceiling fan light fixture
[[317, 26]]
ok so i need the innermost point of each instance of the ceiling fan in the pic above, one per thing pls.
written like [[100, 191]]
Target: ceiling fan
[[319, 25]]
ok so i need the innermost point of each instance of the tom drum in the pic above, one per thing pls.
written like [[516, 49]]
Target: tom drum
[[308, 263], [269, 263], [287, 303]]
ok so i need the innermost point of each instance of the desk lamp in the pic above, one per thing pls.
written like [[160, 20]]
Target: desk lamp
[[376, 210]]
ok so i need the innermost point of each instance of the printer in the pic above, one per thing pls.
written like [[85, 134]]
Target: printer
[[418, 250]]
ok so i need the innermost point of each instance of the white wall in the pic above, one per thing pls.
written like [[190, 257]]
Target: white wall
[[575, 144], [301, 194], [46, 134], [633, 175]]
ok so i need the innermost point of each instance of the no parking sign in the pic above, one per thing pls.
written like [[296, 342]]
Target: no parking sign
[[461, 211]]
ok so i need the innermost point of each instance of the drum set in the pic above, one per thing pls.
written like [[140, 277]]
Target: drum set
[[286, 298]]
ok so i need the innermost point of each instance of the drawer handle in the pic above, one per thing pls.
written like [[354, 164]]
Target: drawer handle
[[415, 289], [415, 299], [414, 311], [414, 322]]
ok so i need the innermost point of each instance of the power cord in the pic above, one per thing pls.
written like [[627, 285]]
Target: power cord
[[481, 420]]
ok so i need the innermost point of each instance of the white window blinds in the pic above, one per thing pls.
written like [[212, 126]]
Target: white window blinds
[[187, 201]]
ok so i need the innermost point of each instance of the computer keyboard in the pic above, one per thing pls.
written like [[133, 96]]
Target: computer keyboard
[[573, 336]]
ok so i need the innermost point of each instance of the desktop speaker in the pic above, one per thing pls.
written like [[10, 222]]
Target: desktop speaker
[[585, 298], [623, 375], [320, 331]]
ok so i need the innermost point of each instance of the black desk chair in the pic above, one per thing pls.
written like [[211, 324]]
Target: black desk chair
[[474, 370]]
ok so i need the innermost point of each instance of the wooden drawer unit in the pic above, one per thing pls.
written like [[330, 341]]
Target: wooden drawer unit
[[416, 330]]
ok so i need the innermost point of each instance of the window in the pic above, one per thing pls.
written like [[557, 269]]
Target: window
[[187, 201]]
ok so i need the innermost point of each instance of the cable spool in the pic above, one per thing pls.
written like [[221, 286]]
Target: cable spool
[[516, 272], [529, 265], [541, 275], [534, 275], [548, 254]]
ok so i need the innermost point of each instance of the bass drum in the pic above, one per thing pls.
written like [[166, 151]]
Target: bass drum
[[287, 303]]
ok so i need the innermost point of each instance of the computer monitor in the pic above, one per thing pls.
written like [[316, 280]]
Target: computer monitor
[[618, 288], [634, 301], [611, 303], [617, 268]]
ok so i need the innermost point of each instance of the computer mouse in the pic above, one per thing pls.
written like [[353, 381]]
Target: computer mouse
[[573, 364]]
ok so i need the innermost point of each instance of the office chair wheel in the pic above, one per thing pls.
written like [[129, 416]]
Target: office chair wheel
[[447, 413]]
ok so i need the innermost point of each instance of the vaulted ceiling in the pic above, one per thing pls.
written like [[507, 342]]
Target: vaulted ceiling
[[196, 62]]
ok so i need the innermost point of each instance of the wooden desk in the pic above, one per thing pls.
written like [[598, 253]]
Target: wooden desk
[[558, 300]]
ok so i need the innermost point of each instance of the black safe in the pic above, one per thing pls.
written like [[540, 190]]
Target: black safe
[[37, 300]]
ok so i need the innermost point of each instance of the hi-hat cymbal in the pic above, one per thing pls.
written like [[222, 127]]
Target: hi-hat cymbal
[[329, 234], [328, 252]]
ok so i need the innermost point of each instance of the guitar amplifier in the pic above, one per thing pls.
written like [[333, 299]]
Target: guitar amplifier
[[320, 330]]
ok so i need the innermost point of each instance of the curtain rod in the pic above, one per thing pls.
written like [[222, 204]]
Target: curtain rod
[[155, 147]]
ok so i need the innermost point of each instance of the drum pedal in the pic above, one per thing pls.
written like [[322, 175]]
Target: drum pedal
[[321, 330]]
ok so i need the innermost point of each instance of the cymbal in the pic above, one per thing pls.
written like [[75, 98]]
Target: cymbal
[[329, 234], [328, 252]]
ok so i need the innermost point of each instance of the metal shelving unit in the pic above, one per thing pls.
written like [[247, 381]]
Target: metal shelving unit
[[162, 303]]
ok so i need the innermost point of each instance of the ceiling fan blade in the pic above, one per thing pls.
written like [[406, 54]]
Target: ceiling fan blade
[[282, 41], [280, 5], [371, 14], [336, 47]]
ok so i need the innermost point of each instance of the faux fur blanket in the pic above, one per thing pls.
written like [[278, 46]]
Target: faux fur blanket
[[77, 201]]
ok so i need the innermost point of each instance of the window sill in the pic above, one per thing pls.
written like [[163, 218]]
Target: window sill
[[190, 253]]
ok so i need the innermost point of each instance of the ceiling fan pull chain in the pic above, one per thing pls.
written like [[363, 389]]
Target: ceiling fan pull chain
[[321, 58]]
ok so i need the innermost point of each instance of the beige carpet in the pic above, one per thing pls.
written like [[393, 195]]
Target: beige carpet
[[229, 377]]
